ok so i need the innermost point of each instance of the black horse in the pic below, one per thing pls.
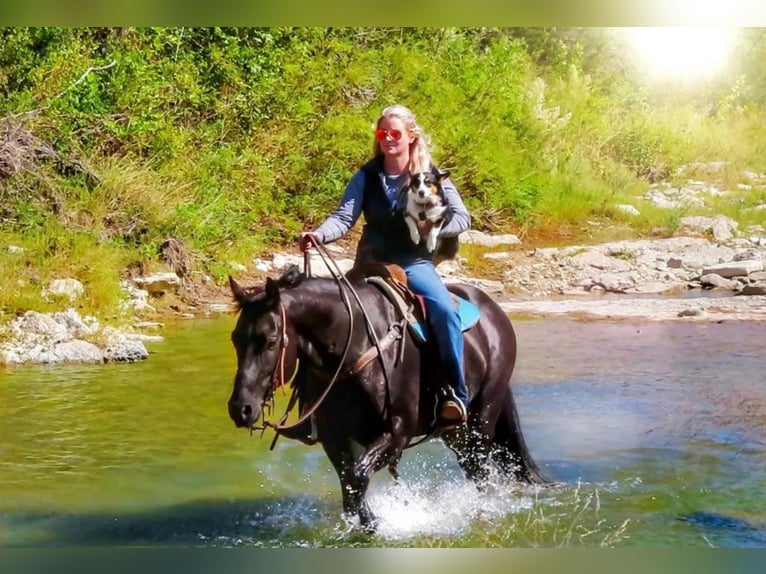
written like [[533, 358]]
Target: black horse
[[367, 385]]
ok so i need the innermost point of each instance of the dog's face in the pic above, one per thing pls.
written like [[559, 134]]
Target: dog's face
[[425, 187]]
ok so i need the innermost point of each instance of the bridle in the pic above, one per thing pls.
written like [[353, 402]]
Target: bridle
[[277, 379], [278, 375]]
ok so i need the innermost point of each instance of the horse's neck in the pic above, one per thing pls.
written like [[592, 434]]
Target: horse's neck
[[320, 321]]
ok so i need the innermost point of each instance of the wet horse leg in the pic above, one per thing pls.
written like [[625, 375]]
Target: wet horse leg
[[471, 445], [342, 460], [384, 450]]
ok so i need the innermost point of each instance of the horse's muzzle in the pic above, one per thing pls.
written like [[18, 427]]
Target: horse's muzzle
[[242, 413]]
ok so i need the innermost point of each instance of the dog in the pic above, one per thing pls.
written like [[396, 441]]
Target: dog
[[424, 211]]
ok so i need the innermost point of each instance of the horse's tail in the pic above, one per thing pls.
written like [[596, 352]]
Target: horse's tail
[[510, 450]]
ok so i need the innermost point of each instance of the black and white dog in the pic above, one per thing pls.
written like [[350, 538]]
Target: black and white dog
[[425, 209]]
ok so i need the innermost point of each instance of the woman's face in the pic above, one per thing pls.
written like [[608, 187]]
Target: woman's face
[[391, 127]]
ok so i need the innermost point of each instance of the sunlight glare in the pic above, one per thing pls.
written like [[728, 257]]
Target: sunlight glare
[[681, 53]]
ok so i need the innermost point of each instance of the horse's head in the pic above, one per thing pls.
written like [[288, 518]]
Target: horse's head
[[260, 339]]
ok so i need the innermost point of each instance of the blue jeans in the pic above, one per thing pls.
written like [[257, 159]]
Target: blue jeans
[[444, 320]]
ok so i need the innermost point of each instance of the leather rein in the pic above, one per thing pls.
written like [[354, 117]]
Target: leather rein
[[376, 351]]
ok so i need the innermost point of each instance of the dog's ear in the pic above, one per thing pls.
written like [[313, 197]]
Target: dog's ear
[[442, 175]]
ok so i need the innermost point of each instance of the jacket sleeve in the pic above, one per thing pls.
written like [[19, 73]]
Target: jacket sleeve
[[458, 218], [340, 221]]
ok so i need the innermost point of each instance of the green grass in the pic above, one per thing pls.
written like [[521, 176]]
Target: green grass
[[234, 140]]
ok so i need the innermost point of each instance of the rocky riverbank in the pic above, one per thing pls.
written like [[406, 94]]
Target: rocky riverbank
[[707, 273]]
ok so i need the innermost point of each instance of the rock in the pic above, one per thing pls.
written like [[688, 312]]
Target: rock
[[479, 238], [720, 226], [690, 312], [318, 266], [261, 265], [220, 308], [714, 280], [77, 326], [448, 267], [158, 284], [659, 199], [754, 289], [39, 326], [138, 299], [629, 209], [734, 269], [126, 351], [488, 285], [612, 282], [497, 255], [656, 287], [56, 338], [674, 263], [77, 351], [69, 288], [281, 261], [149, 325], [645, 309], [598, 260]]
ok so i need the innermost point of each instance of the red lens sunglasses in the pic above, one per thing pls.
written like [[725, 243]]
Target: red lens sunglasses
[[383, 135]]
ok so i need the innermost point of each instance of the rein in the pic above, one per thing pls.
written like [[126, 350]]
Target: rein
[[344, 286], [280, 426]]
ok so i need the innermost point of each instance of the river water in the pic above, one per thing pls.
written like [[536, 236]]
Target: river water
[[655, 433]]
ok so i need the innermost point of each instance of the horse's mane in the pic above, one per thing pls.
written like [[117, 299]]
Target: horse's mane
[[291, 277], [246, 296]]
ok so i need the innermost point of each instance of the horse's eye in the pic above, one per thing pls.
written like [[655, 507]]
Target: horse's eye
[[271, 344]]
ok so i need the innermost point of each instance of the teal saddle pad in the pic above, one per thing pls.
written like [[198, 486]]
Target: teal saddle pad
[[469, 315]]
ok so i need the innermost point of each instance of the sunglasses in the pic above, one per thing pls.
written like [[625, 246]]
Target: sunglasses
[[383, 135]]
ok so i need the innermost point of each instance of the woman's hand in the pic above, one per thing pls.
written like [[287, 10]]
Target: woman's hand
[[307, 239]]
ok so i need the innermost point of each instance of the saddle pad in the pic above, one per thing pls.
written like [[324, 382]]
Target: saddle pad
[[469, 315]]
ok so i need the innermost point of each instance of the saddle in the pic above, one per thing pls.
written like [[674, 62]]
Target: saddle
[[392, 282]]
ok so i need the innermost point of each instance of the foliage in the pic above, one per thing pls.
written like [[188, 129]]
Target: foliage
[[235, 139]]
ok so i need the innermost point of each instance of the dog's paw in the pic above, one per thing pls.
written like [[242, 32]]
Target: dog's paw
[[431, 242], [437, 211], [415, 236]]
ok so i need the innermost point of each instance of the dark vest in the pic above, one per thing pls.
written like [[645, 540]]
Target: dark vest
[[385, 236]]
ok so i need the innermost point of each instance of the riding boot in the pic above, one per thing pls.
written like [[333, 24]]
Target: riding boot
[[453, 409]]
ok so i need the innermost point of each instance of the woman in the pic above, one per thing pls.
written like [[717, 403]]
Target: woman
[[401, 147]]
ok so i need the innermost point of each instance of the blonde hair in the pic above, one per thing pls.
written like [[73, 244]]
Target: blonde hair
[[420, 153]]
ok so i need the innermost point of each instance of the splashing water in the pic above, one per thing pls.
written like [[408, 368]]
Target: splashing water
[[418, 508]]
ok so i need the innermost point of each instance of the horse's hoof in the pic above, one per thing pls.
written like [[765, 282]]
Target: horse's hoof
[[370, 527]]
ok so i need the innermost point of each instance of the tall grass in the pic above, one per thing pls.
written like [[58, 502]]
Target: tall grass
[[234, 140], [30, 262]]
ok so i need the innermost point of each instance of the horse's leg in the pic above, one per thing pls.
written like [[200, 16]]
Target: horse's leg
[[470, 443], [385, 450], [342, 460], [393, 469]]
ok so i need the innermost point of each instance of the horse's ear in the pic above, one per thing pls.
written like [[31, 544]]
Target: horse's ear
[[239, 292], [272, 291]]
